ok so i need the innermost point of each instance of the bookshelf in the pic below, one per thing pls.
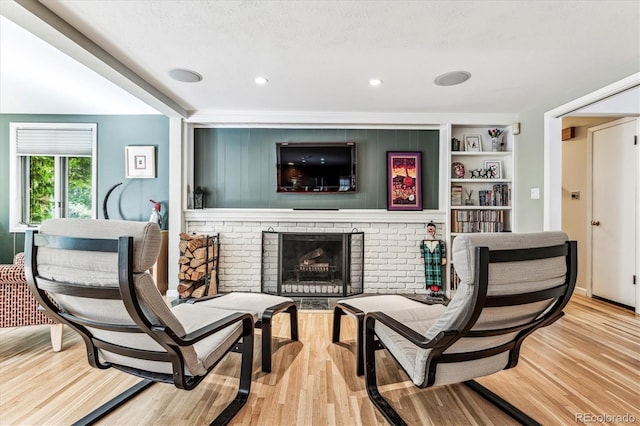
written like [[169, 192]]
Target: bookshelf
[[480, 198]]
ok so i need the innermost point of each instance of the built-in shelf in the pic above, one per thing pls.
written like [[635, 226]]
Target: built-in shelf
[[469, 180], [480, 207]]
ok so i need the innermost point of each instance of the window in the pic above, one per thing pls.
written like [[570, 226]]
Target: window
[[52, 171]]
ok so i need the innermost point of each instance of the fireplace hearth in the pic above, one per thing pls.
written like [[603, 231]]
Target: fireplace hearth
[[312, 264]]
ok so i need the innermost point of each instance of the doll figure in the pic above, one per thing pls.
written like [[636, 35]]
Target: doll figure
[[434, 256]]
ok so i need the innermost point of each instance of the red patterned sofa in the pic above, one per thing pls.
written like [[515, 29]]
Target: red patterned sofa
[[18, 307]]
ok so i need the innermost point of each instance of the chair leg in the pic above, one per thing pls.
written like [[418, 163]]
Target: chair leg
[[56, 332], [293, 318], [266, 343], [337, 318], [371, 380], [246, 369], [116, 402], [515, 413], [359, 345]]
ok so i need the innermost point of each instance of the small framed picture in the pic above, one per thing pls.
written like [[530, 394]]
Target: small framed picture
[[494, 167], [473, 143], [404, 180], [140, 162]]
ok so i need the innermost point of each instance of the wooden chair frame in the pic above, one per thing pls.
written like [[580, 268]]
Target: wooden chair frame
[[446, 339], [167, 338]]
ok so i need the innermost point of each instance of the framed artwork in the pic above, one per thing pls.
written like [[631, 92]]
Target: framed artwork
[[404, 180], [140, 162], [473, 143], [496, 168]]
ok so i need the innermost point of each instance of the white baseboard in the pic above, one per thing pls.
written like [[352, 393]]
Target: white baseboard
[[578, 290]]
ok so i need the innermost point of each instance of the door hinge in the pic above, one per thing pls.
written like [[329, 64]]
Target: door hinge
[[635, 140], [634, 280]]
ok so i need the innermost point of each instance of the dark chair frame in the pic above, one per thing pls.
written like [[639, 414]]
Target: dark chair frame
[[265, 325], [445, 339], [167, 338]]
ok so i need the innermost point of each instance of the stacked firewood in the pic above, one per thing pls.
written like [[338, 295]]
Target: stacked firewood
[[198, 261]]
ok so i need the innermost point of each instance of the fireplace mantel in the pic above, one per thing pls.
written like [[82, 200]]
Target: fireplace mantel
[[315, 215]]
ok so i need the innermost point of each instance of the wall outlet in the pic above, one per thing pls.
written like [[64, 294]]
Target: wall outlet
[[535, 193]]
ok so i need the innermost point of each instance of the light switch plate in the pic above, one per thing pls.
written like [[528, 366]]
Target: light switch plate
[[535, 193]]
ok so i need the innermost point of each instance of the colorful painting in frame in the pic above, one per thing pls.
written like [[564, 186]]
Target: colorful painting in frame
[[404, 180]]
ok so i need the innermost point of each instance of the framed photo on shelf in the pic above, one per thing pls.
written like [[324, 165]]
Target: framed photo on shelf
[[496, 168], [473, 143], [140, 162], [404, 180]]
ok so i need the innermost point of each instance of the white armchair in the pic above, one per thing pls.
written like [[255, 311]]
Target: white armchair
[[511, 284]]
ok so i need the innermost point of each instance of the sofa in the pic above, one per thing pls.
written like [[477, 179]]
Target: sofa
[[18, 307]]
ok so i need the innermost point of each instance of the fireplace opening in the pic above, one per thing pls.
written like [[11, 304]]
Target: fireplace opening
[[312, 264]]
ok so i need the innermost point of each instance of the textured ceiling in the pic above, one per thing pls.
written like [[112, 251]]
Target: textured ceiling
[[319, 55]]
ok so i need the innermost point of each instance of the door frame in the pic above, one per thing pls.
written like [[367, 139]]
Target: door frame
[[552, 187], [589, 248]]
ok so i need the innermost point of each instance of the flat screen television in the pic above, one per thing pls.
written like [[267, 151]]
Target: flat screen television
[[316, 167]]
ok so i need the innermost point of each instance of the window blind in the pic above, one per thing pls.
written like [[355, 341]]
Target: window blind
[[54, 141]]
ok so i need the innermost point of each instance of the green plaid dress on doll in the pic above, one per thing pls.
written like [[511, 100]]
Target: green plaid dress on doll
[[433, 251]]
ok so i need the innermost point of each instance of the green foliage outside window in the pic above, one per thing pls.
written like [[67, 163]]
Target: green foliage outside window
[[42, 177], [79, 190], [42, 189]]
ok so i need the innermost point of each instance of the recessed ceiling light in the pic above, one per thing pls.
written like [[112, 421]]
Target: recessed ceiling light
[[185, 76], [452, 78], [261, 80], [375, 82]]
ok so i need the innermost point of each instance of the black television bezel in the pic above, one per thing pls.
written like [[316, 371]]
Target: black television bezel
[[286, 190]]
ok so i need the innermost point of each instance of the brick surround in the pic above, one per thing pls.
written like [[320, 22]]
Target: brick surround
[[392, 255]]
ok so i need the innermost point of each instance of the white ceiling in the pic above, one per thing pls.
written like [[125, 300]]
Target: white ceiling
[[319, 55]]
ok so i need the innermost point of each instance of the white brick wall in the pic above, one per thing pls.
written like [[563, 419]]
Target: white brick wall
[[392, 262]]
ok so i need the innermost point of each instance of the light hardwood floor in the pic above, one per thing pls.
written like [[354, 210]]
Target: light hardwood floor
[[586, 364]]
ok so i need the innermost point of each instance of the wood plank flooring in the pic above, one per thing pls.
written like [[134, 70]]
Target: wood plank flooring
[[586, 364]]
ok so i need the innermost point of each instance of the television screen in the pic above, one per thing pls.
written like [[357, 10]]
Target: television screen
[[314, 167]]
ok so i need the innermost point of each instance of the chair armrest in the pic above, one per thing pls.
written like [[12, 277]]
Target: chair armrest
[[206, 331], [441, 339]]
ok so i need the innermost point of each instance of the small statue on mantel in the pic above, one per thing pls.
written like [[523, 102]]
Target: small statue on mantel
[[434, 257]]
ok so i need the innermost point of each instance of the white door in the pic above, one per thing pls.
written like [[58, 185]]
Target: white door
[[614, 211]]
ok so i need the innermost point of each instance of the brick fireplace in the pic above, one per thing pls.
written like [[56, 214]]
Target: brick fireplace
[[391, 242]]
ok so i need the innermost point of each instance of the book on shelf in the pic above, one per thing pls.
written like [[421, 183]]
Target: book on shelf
[[477, 221], [500, 195], [456, 195]]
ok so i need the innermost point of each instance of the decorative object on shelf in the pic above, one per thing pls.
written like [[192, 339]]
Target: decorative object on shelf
[[494, 167], [490, 172], [434, 257], [198, 198], [404, 180], [455, 144], [140, 162], [456, 195], [468, 201], [156, 216], [496, 143], [473, 143], [457, 170]]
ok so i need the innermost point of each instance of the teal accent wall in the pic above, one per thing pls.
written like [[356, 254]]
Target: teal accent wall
[[237, 167], [129, 201]]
